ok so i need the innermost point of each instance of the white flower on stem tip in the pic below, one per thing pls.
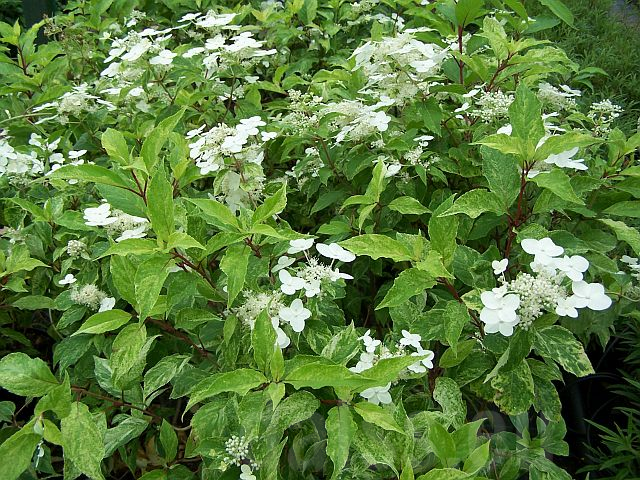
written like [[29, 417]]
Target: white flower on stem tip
[[138, 232], [465, 106], [377, 395], [370, 343], [392, 169], [421, 366], [335, 251], [68, 279], [499, 312], [543, 250], [107, 304], [365, 362], [412, 339], [336, 274], [234, 143], [99, 216], [565, 160], [380, 120], [192, 52], [629, 260], [73, 154], [312, 288], [299, 245], [295, 315], [573, 267], [506, 130], [266, 136], [282, 339], [566, 307], [590, 295], [290, 285], [283, 262], [249, 126], [499, 266], [246, 473]]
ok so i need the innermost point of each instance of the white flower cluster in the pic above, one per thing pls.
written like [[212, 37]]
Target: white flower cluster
[[491, 106], [76, 248], [356, 120], [603, 114], [127, 226], [528, 296], [632, 264], [73, 103], [307, 167], [399, 66], [237, 449], [370, 357], [309, 278], [560, 98], [240, 143], [302, 117], [89, 295], [17, 164], [255, 303]]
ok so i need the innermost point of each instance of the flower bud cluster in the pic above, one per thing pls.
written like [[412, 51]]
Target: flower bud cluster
[[237, 449]]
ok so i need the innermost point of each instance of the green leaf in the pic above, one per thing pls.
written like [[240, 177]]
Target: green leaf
[[17, 451], [503, 143], [478, 459], [378, 416], [443, 231], [558, 183], [447, 394], [91, 173], [116, 146], [271, 206], [157, 138], [625, 233], [502, 172], [122, 271], [149, 279], [444, 474], [407, 206], [441, 442], [163, 372], [474, 203], [514, 389], [455, 317], [25, 376], [558, 344], [561, 143], [263, 340], [102, 322], [183, 241], [239, 381], [560, 10], [410, 282], [168, 440], [340, 431], [217, 213], [131, 246], [294, 409], [82, 441], [123, 433], [376, 246], [128, 355], [234, 264], [160, 205], [308, 11], [325, 374], [467, 11], [525, 114]]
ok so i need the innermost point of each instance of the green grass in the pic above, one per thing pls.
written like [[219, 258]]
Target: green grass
[[604, 41]]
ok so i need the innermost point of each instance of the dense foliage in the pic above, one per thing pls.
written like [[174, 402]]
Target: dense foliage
[[303, 239]]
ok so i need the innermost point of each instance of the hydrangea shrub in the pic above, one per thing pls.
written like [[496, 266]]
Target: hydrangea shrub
[[302, 239]]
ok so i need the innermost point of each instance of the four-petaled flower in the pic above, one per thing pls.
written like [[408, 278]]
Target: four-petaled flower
[[246, 473], [590, 295], [565, 160], [499, 266], [68, 279], [573, 267], [295, 315], [290, 285], [566, 307], [99, 216], [336, 252], [543, 250], [107, 304], [299, 245], [412, 339], [370, 343], [499, 312], [283, 262], [377, 395], [421, 366]]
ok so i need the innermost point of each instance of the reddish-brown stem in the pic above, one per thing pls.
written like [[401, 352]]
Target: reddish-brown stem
[[254, 248], [454, 293], [519, 217], [504, 64], [460, 47], [114, 401], [142, 192], [196, 268]]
